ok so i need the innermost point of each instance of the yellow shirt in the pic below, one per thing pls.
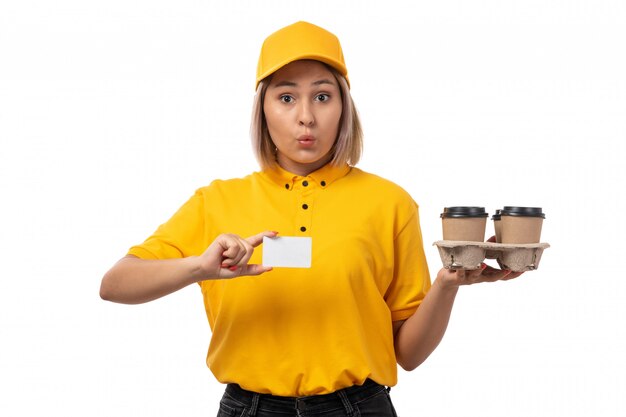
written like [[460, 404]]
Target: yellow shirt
[[305, 331]]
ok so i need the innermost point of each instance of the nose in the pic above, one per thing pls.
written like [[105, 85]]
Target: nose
[[305, 115]]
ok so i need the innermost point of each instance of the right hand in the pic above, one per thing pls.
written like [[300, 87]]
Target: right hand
[[228, 256]]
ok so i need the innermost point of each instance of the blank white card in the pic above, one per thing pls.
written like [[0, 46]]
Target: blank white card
[[287, 251]]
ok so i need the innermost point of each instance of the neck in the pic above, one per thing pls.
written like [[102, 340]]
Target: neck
[[302, 169]]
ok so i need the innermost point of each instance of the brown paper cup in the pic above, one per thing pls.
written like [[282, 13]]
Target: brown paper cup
[[521, 224], [521, 229], [467, 228], [497, 225]]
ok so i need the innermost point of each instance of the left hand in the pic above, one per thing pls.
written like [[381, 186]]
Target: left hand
[[457, 277]]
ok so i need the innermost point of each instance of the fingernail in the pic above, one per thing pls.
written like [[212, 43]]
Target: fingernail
[[483, 265], [224, 266], [233, 268]]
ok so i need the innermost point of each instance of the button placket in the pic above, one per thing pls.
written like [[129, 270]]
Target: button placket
[[305, 207]]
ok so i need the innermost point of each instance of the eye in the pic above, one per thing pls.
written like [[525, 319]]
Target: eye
[[322, 97], [286, 99]]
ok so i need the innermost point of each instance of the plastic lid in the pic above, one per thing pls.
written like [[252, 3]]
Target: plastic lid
[[459, 212], [523, 211], [496, 216]]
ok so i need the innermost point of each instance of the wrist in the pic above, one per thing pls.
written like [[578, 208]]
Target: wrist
[[445, 283], [195, 272]]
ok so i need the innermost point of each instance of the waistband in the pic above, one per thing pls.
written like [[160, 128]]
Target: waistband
[[343, 398]]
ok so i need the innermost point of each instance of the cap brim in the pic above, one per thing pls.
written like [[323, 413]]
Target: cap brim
[[316, 57]]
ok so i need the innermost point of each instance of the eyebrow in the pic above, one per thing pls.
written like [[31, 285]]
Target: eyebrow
[[287, 83]]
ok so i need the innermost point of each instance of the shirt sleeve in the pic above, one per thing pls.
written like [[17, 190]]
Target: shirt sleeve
[[411, 280], [181, 236]]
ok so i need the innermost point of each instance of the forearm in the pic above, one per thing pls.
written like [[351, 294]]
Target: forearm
[[133, 280], [421, 333]]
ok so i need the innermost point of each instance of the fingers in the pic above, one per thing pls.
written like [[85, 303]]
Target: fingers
[[241, 250], [471, 276], [489, 274], [513, 275], [256, 240], [235, 249], [483, 274], [236, 253], [253, 269], [245, 270]]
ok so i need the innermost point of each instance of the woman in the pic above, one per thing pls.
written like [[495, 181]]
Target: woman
[[322, 340]]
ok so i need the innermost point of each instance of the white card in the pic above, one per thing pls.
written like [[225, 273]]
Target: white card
[[287, 251]]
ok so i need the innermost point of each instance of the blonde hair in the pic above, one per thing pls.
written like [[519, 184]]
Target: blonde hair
[[348, 145]]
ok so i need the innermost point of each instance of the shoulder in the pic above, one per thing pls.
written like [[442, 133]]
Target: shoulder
[[378, 187], [228, 186]]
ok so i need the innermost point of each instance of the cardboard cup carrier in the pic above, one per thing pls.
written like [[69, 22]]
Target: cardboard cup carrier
[[518, 232]]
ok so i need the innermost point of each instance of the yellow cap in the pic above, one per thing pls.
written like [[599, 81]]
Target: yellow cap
[[301, 40]]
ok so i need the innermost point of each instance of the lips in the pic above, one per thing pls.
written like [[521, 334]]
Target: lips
[[306, 141]]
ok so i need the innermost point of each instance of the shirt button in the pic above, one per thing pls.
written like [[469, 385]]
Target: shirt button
[[305, 206], [305, 183], [287, 186], [323, 183], [303, 229]]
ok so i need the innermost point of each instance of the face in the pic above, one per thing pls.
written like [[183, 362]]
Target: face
[[302, 108]]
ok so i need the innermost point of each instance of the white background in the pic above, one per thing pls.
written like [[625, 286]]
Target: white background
[[113, 112]]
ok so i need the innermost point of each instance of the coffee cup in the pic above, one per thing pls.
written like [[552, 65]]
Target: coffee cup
[[521, 224], [497, 225], [464, 223]]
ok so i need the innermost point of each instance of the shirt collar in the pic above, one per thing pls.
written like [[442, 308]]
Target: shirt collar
[[324, 176]]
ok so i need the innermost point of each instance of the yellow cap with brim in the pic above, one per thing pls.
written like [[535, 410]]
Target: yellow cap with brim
[[301, 40]]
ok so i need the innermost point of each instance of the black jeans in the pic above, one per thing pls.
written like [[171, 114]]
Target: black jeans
[[367, 400]]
